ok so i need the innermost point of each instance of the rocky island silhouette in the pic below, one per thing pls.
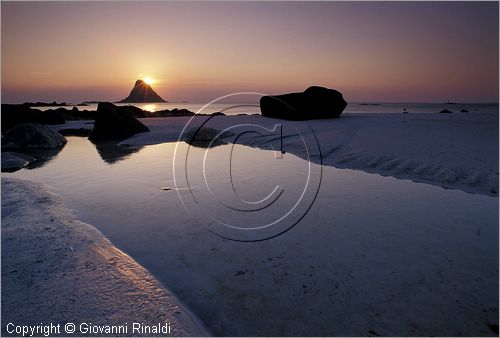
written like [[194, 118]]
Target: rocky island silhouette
[[142, 93]]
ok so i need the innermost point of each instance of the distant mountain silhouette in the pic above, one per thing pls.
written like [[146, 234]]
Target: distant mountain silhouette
[[141, 93]]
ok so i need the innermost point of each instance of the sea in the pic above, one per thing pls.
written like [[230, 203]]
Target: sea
[[253, 107]]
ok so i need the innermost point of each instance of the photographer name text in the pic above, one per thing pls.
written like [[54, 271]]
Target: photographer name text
[[87, 328]]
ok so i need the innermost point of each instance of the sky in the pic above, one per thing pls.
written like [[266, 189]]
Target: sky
[[198, 51]]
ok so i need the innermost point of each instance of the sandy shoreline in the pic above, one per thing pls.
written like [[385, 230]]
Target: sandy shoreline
[[454, 151], [56, 269]]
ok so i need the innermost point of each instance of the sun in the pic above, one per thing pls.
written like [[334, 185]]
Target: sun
[[148, 80]]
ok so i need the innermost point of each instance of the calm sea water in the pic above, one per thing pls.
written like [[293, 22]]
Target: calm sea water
[[253, 108]]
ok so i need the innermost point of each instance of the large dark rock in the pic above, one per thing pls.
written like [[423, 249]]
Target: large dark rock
[[15, 114], [142, 92], [313, 103], [113, 124], [32, 135]]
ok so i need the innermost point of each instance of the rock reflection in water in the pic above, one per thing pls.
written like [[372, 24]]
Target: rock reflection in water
[[110, 152]]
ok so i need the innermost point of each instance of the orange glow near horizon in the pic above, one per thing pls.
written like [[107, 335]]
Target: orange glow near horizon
[[379, 51]]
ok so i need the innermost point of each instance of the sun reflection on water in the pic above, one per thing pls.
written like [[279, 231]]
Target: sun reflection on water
[[150, 107]]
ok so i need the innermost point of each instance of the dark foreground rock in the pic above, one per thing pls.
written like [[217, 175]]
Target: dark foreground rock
[[313, 103], [445, 111], [32, 136], [75, 132], [15, 114], [12, 161], [113, 124]]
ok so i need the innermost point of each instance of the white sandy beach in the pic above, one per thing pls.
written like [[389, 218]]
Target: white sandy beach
[[57, 269]]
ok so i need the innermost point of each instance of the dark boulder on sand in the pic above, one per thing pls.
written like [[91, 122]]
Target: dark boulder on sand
[[314, 103], [113, 124], [141, 93], [445, 111], [32, 135]]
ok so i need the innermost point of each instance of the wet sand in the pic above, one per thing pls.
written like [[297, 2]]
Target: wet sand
[[57, 269]]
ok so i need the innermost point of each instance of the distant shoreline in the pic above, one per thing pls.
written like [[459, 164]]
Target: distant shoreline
[[234, 108], [72, 104]]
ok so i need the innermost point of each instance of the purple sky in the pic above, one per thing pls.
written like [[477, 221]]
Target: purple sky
[[197, 51]]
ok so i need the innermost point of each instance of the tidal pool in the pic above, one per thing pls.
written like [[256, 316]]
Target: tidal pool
[[359, 254]]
